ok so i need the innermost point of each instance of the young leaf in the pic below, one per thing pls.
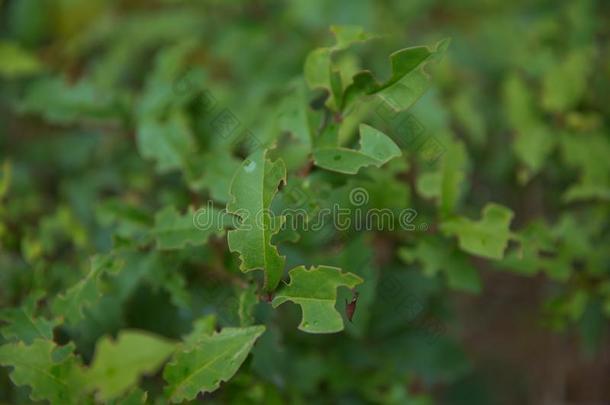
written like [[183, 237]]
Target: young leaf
[[215, 358], [376, 149], [252, 190], [315, 290], [117, 365], [52, 372], [487, 237]]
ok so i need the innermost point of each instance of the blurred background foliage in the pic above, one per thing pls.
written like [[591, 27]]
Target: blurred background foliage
[[101, 126]]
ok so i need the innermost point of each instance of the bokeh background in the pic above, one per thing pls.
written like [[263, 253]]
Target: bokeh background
[[525, 85]]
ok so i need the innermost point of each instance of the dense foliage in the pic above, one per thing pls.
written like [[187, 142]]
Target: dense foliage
[[227, 201]]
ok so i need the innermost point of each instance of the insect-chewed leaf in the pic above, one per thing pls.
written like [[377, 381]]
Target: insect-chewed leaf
[[117, 365], [376, 149], [315, 290], [409, 80], [252, 190], [487, 237], [215, 358], [52, 372]]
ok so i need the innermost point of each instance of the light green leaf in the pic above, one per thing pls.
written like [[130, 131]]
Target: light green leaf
[[566, 81], [487, 237], [453, 173], [17, 61], [214, 359], [167, 142], [253, 187], [376, 149], [203, 326], [117, 365], [86, 292], [533, 138], [315, 290], [175, 231], [52, 372], [23, 325]]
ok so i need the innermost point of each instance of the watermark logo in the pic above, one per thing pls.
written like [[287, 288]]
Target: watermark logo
[[355, 217]]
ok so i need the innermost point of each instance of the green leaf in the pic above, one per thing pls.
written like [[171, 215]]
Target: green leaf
[[17, 61], [117, 365], [534, 140], [247, 301], [317, 68], [315, 290], [63, 102], [435, 257], [376, 149], [175, 231], [168, 142], [408, 82], [214, 359], [23, 325], [52, 372], [252, 190], [487, 237], [86, 292], [453, 173], [565, 82]]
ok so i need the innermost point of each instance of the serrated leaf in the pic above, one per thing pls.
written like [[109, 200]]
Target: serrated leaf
[[52, 372], [214, 359], [24, 325], [315, 290], [253, 187], [376, 149], [174, 231], [117, 365], [86, 292], [487, 237]]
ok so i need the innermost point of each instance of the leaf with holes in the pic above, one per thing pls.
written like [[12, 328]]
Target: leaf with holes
[[376, 149], [253, 187], [315, 290]]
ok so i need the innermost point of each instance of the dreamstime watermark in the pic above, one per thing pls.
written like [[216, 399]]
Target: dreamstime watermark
[[357, 217]]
